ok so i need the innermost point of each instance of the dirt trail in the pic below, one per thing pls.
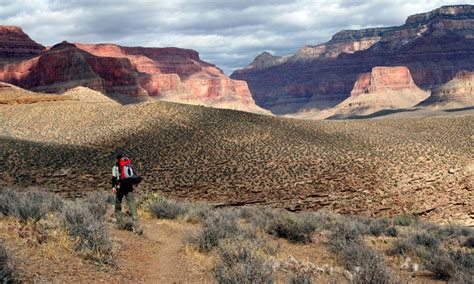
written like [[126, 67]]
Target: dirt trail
[[159, 255]]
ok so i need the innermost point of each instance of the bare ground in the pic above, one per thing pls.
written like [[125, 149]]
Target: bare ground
[[365, 167]]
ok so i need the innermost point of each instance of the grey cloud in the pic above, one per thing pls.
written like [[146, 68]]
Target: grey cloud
[[226, 33]]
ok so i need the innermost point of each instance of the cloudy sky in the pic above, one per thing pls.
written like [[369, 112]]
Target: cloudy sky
[[228, 33]]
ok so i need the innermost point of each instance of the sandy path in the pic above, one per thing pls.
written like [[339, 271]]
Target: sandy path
[[159, 256]]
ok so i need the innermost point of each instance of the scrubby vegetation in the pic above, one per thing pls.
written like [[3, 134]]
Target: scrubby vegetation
[[168, 209], [32, 205], [6, 271], [243, 240], [222, 230], [242, 261], [82, 220], [217, 226], [297, 229], [433, 246], [90, 233]]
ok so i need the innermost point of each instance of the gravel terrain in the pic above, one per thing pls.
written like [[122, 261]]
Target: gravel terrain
[[365, 167]]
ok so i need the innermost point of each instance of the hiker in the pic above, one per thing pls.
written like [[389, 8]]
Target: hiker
[[123, 179]]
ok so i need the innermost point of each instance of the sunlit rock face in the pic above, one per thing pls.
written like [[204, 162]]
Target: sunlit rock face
[[434, 46], [128, 74]]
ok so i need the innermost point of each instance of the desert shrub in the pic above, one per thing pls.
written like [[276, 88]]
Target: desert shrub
[[219, 225], [34, 205], [391, 232], [56, 203], [197, 213], [296, 228], [168, 209], [378, 227], [404, 220], [31, 205], [261, 218], [129, 225], [326, 220], [367, 265], [451, 230], [147, 198], [6, 271], [9, 200], [90, 232], [241, 261], [401, 246], [30, 211], [455, 265], [425, 239], [469, 242], [422, 243], [101, 197], [301, 278], [98, 203], [344, 232]]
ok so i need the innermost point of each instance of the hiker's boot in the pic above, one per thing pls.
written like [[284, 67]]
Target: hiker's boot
[[136, 228]]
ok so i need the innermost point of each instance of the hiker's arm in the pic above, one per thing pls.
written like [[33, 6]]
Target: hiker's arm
[[114, 177]]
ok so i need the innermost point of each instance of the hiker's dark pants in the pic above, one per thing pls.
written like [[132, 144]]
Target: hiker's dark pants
[[126, 191]]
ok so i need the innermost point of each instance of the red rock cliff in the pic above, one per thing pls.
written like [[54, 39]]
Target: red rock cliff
[[384, 79], [434, 46], [383, 88], [65, 66], [179, 75], [126, 73]]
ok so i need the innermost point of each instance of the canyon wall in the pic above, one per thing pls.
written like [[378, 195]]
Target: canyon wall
[[434, 46]]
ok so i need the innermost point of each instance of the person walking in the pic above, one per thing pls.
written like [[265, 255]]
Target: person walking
[[123, 179]]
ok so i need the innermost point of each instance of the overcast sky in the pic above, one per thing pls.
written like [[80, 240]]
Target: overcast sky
[[226, 33]]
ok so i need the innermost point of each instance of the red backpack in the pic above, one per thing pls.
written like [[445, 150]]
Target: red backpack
[[127, 172], [126, 168]]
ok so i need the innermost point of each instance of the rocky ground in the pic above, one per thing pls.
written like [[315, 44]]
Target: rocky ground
[[370, 167]]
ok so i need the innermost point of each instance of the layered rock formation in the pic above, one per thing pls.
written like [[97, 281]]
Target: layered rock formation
[[128, 74], [65, 66], [383, 88], [434, 46], [15, 45], [179, 75], [457, 93]]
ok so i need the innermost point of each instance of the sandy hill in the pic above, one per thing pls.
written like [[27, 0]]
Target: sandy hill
[[84, 94], [10, 94], [375, 168]]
